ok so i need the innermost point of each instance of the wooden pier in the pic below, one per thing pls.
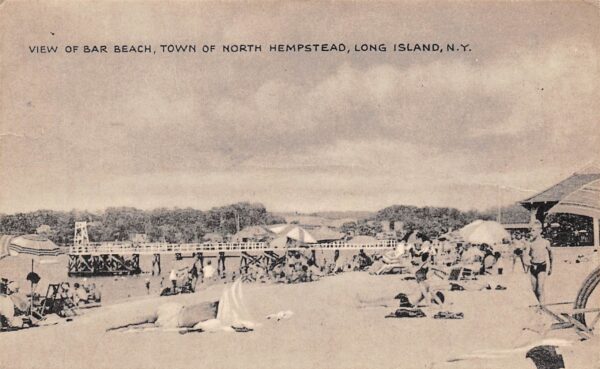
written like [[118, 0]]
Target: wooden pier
[[122, 258]]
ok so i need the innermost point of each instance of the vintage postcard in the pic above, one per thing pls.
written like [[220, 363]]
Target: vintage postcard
[[299, 184]]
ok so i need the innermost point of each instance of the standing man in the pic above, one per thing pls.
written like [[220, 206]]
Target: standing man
[[517, 252], [173, 279], [539, 262]]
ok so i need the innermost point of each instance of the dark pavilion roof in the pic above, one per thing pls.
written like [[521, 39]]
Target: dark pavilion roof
[[583, 201], [560, 190]]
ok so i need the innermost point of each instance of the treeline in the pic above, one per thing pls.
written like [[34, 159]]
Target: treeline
[[431, 221], [118, 224]]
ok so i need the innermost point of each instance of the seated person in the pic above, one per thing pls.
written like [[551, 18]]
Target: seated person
[[313, 272], [8, 315], [80, 295]]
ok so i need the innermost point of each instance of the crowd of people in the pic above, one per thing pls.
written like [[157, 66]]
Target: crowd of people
[[417, 257]]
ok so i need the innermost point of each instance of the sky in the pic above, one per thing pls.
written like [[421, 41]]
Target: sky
[[295, 131]]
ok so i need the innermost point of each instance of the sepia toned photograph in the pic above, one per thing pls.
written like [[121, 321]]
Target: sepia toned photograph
[[299, 184]]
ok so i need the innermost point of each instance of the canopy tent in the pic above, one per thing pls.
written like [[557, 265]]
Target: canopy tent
[[488, 232]]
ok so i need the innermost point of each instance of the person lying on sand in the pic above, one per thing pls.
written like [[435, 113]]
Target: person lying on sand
[[229, 313], [400, 300], [175, 315]]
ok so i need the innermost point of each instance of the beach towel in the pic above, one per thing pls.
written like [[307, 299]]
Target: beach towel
[[456, 287], [407, 313], [232, 310], [284, 314], [448, 315], [232, 314]]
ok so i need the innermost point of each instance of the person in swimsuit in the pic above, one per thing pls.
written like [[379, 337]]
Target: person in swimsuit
[[517, 255], [421, 277], [539, 263]]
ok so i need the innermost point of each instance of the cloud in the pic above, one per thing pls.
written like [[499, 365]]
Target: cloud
[[359, 130]]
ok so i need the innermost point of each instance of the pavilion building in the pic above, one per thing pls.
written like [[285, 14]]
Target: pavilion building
[[578, 194]]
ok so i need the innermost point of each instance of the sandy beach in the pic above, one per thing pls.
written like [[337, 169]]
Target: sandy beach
[[329, 328]]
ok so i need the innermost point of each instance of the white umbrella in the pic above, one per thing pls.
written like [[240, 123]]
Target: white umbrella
[[301, 235], [293, 232], [279, 242], [469, 228], [279, 228], [488, 232]]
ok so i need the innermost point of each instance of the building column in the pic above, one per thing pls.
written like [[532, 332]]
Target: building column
[[532, 215], [596, 228]]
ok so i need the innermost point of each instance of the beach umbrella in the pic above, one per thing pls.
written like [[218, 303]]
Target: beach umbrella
[[488, 232], [37, 247], [279, 228], [279, 242], [469, 228], [301, 235], [4, 245], [293, 232]]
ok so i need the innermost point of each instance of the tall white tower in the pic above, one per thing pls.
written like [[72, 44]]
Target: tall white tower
[[81, 234]]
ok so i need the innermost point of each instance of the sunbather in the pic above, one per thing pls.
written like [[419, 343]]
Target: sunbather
[[229, 311]]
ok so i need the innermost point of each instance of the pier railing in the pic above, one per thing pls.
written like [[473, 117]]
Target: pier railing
[[150, 248]]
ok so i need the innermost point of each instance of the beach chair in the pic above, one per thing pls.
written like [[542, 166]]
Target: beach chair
[[584, 319], [54, 302]]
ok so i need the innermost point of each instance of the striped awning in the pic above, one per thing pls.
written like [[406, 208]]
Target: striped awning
[[34, 245], [583, 201]]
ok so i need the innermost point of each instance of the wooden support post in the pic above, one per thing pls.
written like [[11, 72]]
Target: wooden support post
[[156, 264], [596, 228], [136, 263], [221, 264], [72, 264]]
